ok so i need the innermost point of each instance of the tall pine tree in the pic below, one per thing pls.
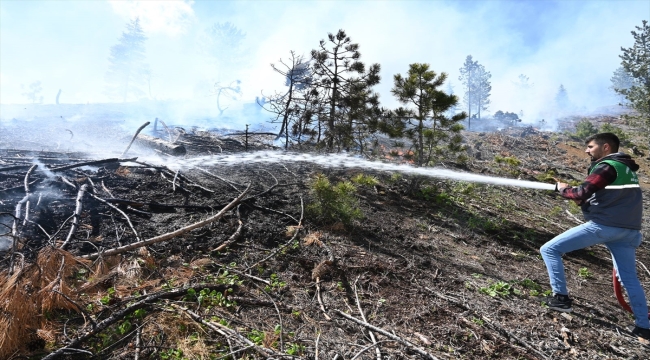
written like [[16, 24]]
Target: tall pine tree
[[128, 71], [636, 62], [476, 82], [338, 76]]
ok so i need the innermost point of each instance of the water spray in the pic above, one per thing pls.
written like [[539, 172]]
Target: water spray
[[345, 161]]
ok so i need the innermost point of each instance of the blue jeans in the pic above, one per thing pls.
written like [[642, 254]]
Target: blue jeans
[[622, 244]]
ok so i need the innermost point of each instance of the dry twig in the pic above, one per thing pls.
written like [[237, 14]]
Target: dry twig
[[404, 342]]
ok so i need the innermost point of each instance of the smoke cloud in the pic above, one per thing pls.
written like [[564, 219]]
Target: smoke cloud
[[65, 45]]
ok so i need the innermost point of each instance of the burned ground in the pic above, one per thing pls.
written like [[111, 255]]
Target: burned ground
[[444, 268]]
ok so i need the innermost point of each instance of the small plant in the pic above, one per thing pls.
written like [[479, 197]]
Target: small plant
[[295, 349], [500, 289], [124, 327], [548, 177], [508, 160], [106, 299], [478, 321], [530, 284], [428, 192], [555, 211], [365, 180], [334, 203], [209, 299], [534, 289], [256, 336], [171, 354], [276, 283], [485, 224], [395, 177], [465, 188], [584, 273]]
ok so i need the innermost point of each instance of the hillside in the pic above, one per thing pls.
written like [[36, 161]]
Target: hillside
[[433, 269]]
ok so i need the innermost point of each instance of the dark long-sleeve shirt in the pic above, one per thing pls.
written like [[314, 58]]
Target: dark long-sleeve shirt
[[602, 175]]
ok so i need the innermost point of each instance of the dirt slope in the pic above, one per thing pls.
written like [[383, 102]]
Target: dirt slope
[[448, 268]]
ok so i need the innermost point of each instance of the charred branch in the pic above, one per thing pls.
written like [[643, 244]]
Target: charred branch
[[172, 234], [76, 215]]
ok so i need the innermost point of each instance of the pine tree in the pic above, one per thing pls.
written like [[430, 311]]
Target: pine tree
[[482, 89], [561, 98], [622, 82], [477, 87], [636, 62], [128, 71], [363, 112], [337, 69], [433, 134], [222, 44]]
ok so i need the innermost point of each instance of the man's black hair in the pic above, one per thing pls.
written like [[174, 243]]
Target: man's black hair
[[605, 138]]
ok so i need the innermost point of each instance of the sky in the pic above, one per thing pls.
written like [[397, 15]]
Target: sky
[[65, 45]]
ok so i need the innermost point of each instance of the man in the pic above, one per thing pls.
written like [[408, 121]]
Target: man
[[610, 198]]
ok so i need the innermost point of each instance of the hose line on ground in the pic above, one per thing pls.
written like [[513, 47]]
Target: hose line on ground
[[619, 292]]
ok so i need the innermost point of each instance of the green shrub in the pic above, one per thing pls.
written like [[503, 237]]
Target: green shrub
[[584, 129], [500, 289], [530, 284], [547, 177], [394, 178], [465, 188], [508, 160], [365, 180], [333, 203]]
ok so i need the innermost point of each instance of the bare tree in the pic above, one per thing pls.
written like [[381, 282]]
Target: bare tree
[[287, 106]]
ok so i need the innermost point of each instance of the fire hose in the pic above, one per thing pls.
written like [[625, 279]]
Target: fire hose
[[619, 293]]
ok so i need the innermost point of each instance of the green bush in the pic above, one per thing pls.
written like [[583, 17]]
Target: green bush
[[584, 129], [365, 180], [509, 160], [548, 176], [500, 289], [333, 203]]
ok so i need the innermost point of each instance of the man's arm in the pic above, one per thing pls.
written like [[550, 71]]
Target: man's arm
[[603, 175]]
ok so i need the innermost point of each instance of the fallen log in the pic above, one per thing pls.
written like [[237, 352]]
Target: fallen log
[[160, 144]]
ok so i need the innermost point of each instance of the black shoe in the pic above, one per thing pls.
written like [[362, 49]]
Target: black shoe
[[558, 303], [642, 333]]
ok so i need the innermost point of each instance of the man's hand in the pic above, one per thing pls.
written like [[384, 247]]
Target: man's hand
[[560, 186]]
